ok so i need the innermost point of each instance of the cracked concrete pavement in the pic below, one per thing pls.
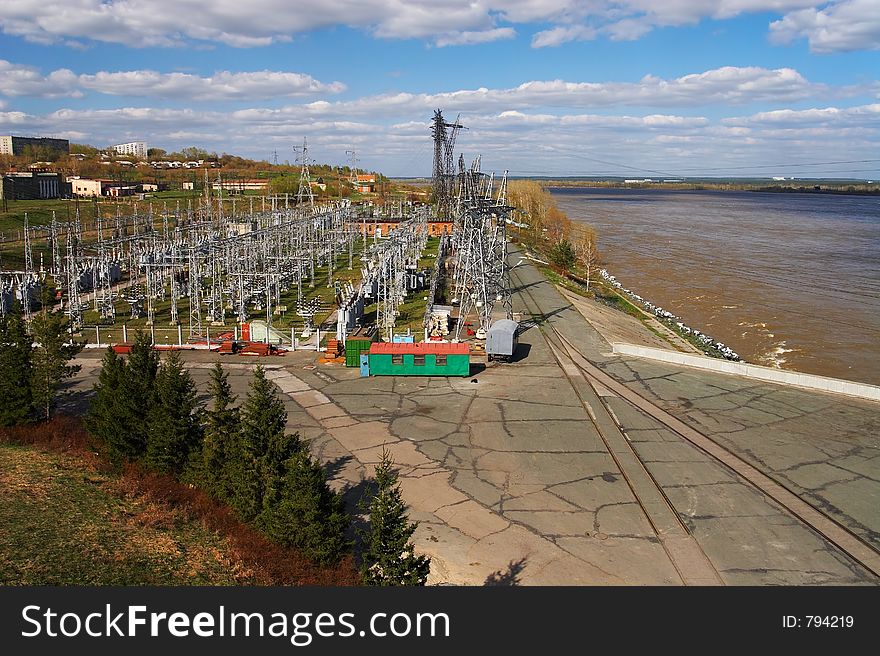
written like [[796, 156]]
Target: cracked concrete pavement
[[506, 471]]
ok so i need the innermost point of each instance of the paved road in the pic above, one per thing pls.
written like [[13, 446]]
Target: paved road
[[517, 476]]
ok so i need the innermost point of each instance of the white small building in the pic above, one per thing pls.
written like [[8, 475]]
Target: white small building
[[135, 148], [85, 186]]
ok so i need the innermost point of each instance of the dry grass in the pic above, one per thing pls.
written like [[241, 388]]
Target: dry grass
[[65, 518]]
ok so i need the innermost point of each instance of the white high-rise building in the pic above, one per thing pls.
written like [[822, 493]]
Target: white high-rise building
[[135, 148]]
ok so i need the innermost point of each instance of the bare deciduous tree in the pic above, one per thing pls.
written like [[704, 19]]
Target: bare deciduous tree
[[587, 251]]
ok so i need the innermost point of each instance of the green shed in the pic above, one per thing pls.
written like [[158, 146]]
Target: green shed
[[354, 346], [421, 359]]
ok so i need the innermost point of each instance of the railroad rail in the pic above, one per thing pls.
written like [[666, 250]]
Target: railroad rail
[[650, 495]]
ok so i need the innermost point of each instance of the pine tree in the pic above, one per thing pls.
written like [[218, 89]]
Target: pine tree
[[55, 347], [222, 437], [16, 351], [389, 557], [139, 391], [263, 420], [305, 513], [173, 422], [273, 464], [108, 415]]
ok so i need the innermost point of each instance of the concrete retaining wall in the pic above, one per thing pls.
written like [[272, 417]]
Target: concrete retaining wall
[[769, 374]]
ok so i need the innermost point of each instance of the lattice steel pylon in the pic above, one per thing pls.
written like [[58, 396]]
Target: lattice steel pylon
[[353, 158], [74, 305], [304, 193], [480, 246], [444, 161]]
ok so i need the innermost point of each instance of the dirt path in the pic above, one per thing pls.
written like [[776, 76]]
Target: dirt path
[[617, 326]]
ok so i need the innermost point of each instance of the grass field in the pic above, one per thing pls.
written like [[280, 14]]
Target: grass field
[[62, 524]]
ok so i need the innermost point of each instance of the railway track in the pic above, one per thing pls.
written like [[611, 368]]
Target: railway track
[[687, 556]]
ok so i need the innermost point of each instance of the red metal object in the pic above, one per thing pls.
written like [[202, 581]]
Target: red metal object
[[255, 348], [420, 348], [226, 348]]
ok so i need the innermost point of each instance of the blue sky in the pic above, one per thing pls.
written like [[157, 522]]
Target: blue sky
[[638, 88]]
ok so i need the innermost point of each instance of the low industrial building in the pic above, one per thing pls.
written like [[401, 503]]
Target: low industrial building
[[241, 186], [88, 187], [365, 183], [383, 225], [32, 185]]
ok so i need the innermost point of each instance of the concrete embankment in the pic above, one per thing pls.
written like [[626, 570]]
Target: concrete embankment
[[785, 377]]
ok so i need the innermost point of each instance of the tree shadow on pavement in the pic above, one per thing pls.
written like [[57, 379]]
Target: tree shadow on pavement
[[333, 467], [508, 577]]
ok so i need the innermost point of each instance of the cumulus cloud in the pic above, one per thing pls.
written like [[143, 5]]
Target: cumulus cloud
[[729, 84], [843, 26], [863, 115], [19, 80], [726, 85], [220, 86], [142, 23]]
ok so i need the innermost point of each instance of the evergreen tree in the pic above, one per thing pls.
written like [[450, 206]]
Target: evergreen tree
[[220, 449], [563, 255], [273, 464], [173, 422], [304, 512], [55, 347], [389, 557], [263, 421], [108, 417], [138, 391], [16, 351]]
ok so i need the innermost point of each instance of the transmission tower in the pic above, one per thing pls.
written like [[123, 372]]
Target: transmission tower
[[304, 194], [353, 158], [444, 161], [480, 244]]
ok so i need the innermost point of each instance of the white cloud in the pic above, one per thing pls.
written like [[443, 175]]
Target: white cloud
[[220, 86], [559, 35], [14, 118], [843, 26], [527, 142], [863, 115], [19, 80], [838, 25], [471, 38], [727, 85]]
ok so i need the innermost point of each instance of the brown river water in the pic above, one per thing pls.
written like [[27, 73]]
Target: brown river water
[[785, 280]]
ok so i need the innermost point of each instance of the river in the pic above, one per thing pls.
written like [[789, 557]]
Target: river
[[788, 280]]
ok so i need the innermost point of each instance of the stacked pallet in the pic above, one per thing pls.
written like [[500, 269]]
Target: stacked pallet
[[333, 348]]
